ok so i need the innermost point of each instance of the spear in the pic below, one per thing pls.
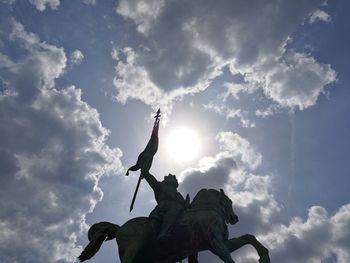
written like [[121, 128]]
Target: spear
[[144, 160]]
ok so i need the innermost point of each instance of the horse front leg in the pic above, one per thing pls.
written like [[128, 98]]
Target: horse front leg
[[193, 258], [219, 248], [236, 243]]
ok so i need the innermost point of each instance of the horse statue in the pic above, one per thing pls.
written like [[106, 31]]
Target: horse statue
[[203, 226]]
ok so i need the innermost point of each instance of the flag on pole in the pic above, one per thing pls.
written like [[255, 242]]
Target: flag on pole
[[145, 159]]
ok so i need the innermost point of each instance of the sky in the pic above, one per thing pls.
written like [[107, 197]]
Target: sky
[[254, 98]]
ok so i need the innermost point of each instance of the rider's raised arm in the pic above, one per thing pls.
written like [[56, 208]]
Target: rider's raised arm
[[152, 181]]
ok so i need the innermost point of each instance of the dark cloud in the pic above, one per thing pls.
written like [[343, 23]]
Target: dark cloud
[[215, 175]]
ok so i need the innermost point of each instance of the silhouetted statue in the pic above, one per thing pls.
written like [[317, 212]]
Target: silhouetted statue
[[176, 229], [201, 227]]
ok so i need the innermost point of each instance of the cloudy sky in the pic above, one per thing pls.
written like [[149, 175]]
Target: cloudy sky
[[254, 97]]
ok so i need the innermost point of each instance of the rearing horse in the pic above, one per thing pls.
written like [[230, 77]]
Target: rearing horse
[[202, 227]]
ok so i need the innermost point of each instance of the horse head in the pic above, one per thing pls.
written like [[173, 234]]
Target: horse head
[[226, 203], [217, 200]]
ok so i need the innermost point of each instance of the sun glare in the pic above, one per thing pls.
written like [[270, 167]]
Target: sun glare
[[183, 144]]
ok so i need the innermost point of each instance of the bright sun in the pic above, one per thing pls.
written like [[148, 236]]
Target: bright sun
[[183, 144]]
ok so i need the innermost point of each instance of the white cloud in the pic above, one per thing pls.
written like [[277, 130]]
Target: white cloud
[[76, 57], [133, 81], [53, 154], [240, 148], [42, 4], [38, 69], [320, 15], [341, 233], [143, 13], [294, 80], [317, 238], [187, 43]]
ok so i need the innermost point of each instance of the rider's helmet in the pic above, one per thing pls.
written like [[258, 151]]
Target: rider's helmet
[[171, 179]]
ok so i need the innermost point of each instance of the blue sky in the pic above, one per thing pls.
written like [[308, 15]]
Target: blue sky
[[263, 84]]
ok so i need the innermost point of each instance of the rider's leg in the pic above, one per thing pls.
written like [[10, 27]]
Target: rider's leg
[[169, 219]]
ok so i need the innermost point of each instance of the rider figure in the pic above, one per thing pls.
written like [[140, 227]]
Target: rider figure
[[170, 203]]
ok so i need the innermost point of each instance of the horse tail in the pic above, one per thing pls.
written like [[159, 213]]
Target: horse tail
[[97, 234]]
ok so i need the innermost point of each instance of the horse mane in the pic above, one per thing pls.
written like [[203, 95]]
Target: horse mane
[[204, 196]]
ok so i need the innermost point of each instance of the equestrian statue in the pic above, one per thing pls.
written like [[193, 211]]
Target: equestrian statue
[[176, 228]]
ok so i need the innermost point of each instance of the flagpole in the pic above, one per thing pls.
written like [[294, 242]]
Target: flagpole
[[145, 159], [135, 193]]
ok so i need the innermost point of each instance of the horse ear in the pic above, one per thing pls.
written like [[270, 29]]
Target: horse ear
[[222, 191]]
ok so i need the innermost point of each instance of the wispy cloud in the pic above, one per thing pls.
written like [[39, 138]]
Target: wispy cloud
[[320, 15], [230, 113], [41, 5], [294, 80]]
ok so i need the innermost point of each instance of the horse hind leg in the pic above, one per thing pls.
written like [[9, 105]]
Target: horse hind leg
[[219, 248], [236, 243], [130, 253]]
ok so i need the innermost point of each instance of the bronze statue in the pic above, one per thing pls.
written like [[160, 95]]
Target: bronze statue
[[176, 229], [201, 227]]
